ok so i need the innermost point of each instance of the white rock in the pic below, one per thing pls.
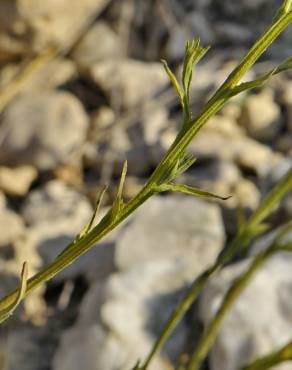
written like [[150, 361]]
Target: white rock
[[185, 230], [244, 151], [132, 306], [247, 331], [11, 225], [16, 181], [35, 25], [261, 116], [134, 80], [120, 320], [154, 120], [42, 130], [28, 347], [99, 43]]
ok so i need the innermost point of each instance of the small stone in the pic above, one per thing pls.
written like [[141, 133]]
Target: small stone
[[17, 181], [246, 195], [232, 32], [102, 119], [120, 320], [11, 226], [135, 81], [154, 120], [44, 130], [99, 43], [244, 151], [261, 116], [284, 143], [29, 348], [247, 332], [34, 26], [167, 228]]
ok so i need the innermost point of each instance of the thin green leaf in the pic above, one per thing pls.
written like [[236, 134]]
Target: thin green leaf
[[193, 53], [185, 189], [250, 84], [8, 311], [271, 359], [174, 82], [118, 202], [137, 366], [241, 219], [284, 66], [185, 163], [273, 198], [88, 227], [284, 9]]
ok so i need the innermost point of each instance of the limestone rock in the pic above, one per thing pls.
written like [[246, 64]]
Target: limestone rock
[[35, 25], [11, 225], [135, 81], [42, 130], [261, 116], [176, 228], [99, 43], [116, 323], [244, 151]]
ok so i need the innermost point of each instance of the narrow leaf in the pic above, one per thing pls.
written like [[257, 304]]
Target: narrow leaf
[[284, 66], [174, 82], [137, 366], [185, 163], [272, 199], [180, 188], [250, 84], [193, 53], [118, 202], [88, 227], [271, 359], [284, 9], [6, 312], [241, 219]]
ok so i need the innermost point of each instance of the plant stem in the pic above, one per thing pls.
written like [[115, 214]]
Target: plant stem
[[213, 328], [276, 194], [272, 359], [175, 152]]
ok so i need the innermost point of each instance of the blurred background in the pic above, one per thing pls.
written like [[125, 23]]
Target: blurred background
[[81, 90]]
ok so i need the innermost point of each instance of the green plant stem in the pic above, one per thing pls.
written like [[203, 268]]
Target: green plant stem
[[175, 152], [213, 328], [234, 292], [272, 359], [268, 204]]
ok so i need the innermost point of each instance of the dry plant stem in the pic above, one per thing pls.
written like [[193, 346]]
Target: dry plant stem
[[16, 86], [272, 359], [175, 152]]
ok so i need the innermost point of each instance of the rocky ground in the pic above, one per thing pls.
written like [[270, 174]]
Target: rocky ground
[[66, 128]]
